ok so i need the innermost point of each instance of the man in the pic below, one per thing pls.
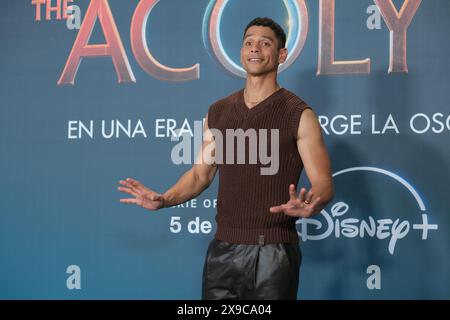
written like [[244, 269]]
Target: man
[[255, 252]]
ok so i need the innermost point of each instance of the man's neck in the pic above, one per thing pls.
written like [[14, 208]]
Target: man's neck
[[259, 88]]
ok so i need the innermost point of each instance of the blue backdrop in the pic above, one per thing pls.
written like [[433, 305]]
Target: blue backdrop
[[65, 235]]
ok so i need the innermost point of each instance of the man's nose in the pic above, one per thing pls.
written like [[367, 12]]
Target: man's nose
[[255, 48]]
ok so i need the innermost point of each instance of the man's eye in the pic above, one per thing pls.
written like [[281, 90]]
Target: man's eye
[[266, 44]]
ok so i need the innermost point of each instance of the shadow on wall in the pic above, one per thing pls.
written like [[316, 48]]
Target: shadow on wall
[[338, 265], [334, 261], [424, 161]]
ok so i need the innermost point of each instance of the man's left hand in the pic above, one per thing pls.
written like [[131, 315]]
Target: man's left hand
[[301, 205]]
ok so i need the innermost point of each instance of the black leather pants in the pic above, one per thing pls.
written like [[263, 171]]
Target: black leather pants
[[257, 272]]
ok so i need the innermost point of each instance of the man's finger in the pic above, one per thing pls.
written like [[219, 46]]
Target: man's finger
[[287, 207], [128, 185], [284, 208], [292, 192], [302, 194], [135, 183], [309, 197], [138, 186], [128, 190], [276, 209], [130, 200]]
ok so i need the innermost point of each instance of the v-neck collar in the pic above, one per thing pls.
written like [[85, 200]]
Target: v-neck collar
[[246, 111]]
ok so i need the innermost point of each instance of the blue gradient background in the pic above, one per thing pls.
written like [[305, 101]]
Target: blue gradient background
[[60, 203]]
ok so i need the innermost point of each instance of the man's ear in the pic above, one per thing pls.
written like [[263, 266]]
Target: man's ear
[[282, 55]]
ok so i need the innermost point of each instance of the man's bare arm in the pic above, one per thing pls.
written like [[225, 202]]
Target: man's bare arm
[[315, 159], [191, 184], [198, 178], [317, 165]]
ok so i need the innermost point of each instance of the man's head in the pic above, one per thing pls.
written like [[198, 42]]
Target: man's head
[[278, 31], [263, 47]]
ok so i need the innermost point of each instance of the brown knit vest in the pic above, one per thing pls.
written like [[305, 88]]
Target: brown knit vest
[[245, 195]]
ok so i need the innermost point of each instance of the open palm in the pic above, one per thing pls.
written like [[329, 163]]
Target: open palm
[[143, 196], [298, 205]]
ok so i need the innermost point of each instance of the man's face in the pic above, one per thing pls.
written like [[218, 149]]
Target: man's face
[[259, 52]]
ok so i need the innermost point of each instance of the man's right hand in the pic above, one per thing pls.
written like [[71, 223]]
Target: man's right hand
[[144, 196]]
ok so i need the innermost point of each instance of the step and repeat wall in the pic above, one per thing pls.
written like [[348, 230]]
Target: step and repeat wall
[[96, 91]]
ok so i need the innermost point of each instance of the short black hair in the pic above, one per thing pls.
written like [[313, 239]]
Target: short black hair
[[276, 28]]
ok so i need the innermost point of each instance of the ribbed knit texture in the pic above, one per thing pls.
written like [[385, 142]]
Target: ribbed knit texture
[[245, 196]]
